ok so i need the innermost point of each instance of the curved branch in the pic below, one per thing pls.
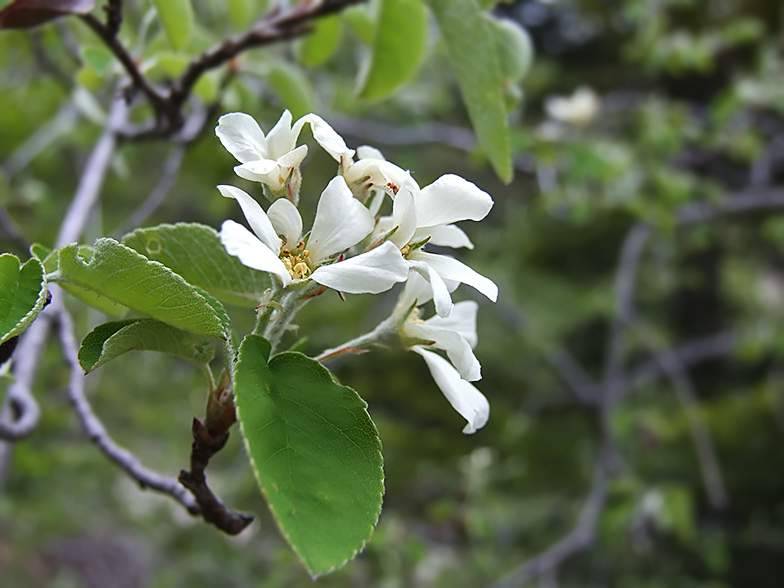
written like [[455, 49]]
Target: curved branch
[[97, 432]]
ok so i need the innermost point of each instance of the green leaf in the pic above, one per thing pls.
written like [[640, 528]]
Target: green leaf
[[124, 276], [293, 88], [471, 48], [51, 261], [315, 452], [241, 12], [177, 19], [515, 49], [359, 19], [322, 43], [22, 294], [109, 340], [98, 58], [195, 252], [398, 48]]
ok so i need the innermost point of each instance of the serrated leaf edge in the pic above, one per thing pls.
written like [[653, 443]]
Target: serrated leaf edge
[[324, 372]]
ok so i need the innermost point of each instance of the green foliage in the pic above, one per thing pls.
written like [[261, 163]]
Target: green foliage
[[124, 276], [318, 47], [471, 48], [292, 87], [315, 452], [177, 19], [399, 44], [195, 252], [22, 294], [110, 340]]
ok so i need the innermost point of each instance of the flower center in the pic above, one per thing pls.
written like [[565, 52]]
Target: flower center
[[296, 261]]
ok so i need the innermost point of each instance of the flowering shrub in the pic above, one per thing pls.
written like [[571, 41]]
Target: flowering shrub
[[314, 449]]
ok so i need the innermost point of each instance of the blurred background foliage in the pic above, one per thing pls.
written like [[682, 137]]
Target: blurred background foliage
[[686, 105]]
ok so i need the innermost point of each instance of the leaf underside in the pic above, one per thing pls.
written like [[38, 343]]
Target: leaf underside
[[471, 48]]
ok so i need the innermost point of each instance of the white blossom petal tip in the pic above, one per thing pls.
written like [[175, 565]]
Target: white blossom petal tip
[[463, 396]]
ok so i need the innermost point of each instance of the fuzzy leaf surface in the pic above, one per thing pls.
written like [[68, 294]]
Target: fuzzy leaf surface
[[127, 277], [195, 252]]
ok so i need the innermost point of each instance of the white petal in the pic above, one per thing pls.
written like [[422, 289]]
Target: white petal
[[465, 398], [257, 218], [417, 290], [294, 157], [450, 199], [461, 320], [451, 269], [405, 218], [265, 171], [280, 139], [367, 152], [441, 297], [241, 243], [375, 271], [341, 221], [286, 221], [329, 140], [241, 135], [456, 347], [445, 236]]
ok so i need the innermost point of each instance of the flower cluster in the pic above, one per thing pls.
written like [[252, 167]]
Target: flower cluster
[[351, 249]]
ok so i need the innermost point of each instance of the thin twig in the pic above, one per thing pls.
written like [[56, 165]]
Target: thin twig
[[154, 95], [579, 538], [171, 169], [207, 443], [616, 379], [97, 432], [114, 16], [19, 417], [687, 396], [92, 178], [693, 352]]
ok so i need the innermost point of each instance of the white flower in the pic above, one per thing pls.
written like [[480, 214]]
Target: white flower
[[577, 110], [273, 160], [341, 222], [427, 215], [463, 396], [370, 172], [457, 336]]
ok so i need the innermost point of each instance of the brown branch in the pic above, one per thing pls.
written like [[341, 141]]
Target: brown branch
[[205, 445], [97, 432], [114, 16], [156, 97], [687, 396], [616, 380]]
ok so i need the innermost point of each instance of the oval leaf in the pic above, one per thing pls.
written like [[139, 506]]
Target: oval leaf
[[22, 294], [398, 47], [322, 43], [51, 262], [195, 252], [124, 276], [177, 19], [293, 88], [468, 37], [315, 452], [110, 340], [26, 14]]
